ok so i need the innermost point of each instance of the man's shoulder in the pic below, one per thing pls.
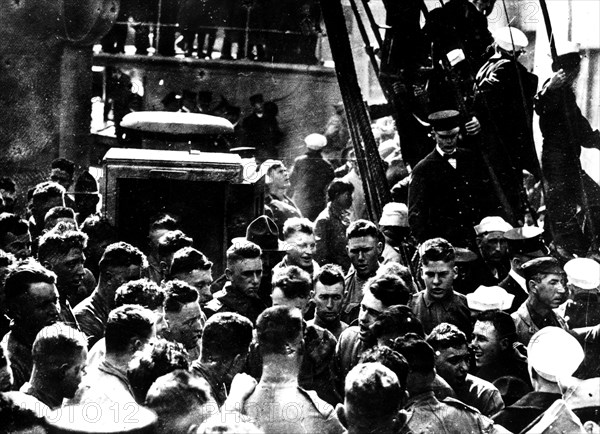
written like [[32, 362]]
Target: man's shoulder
[[521, 313], [429, 160], [479, 385], [459, 298], [316, 403], [459, 405]]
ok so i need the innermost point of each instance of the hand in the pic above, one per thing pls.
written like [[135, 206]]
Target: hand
[[473, 127], [491, 79], [242, 387], [558, 80]]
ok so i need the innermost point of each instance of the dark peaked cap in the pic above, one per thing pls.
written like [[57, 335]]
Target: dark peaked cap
[[544, 265]]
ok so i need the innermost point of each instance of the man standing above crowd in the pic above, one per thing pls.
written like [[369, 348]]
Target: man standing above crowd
[[120, 263], [310, 177], [240, 293], [449, 191], [46, 195], [439, 302], [159, 226], [327, 295], [15, 237], [364, 248], [332, 223], [299, 237], [546, 285], [452, 364], [32, 301], [276, 199]]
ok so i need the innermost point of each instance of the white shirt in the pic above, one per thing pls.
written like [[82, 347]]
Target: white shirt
[[520, 280], [451, 160]]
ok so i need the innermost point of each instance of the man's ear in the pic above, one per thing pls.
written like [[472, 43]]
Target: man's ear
[[312, 293], [478, 241], [228, 273], [504, 344], [532, 286], [380, 247], [341, 414], [47, 265], [136, 344]]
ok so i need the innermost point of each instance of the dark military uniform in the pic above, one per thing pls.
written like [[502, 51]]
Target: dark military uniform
[[427, 415], [310, 177], [528, 324], [517, 416], [316, 369], [453, 310], [230, 300], [512, 286], [481, 395], [217, 388], [352, 296]]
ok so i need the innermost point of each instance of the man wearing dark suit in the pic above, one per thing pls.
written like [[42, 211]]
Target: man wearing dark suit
[[524, 244], [449, 191]]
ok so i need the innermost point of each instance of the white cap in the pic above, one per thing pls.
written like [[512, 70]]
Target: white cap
[[583, 273], [489, 298], [315, 141], [554, 353], [492, 224], [503, 38], [394, 214], [567, 47]]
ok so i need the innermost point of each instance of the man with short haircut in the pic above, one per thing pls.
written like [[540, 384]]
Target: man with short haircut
[[427, 414], [373, 400], [120, 263], [61, 251], [159, 225], [393, 322], [182, 402], [492, 265], [184, 317], [8, 192], [332, 223], [364, 248], [438, 302], [59, 214], [32, 301], [100, 234], [155, 360], [379, 294], [193, 267], [59, 358], [46, 195], [225, 342], [494, 337], [129, 329], [547, 286], [244, 273], [279, 331], [328, 295], [15, 237], [452, 359], [298, 234], [168, 244], [524, 244], [62, 172]]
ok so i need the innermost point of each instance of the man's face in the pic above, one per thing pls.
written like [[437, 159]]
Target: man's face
[[370, 309], [453, 365], [122, 275], [40, 307], [160, 323], [486, 344], [18, 245], [551, 291], [280, 178], [199, 279], [40, 208], [245, 276], [447, 140], [493, 246], [73, 375], [69, 269], [344, 200], [6, 378], [438, 277], [61, 177], [279, 299], [364, 253], [328, 300], [301, 249], [9, 199], [185, 326]]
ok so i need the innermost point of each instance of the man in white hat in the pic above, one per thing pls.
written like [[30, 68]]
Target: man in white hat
[[393, 224], [493, 265], [566, 131], [583, 280], [505, 110], [553, 355], [310, 177]]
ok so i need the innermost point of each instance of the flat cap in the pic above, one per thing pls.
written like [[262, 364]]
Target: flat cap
[[583, 273], [394, 214], [444, 120], [543, 265]]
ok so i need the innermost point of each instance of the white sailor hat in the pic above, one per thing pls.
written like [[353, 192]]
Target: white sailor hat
[[489, 298], [315, 141], [554, 353], [394, 214], [505, 37], [583, 273], [492, 224]]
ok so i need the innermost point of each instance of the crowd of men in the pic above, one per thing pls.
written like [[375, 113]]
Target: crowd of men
[[454, 312]]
